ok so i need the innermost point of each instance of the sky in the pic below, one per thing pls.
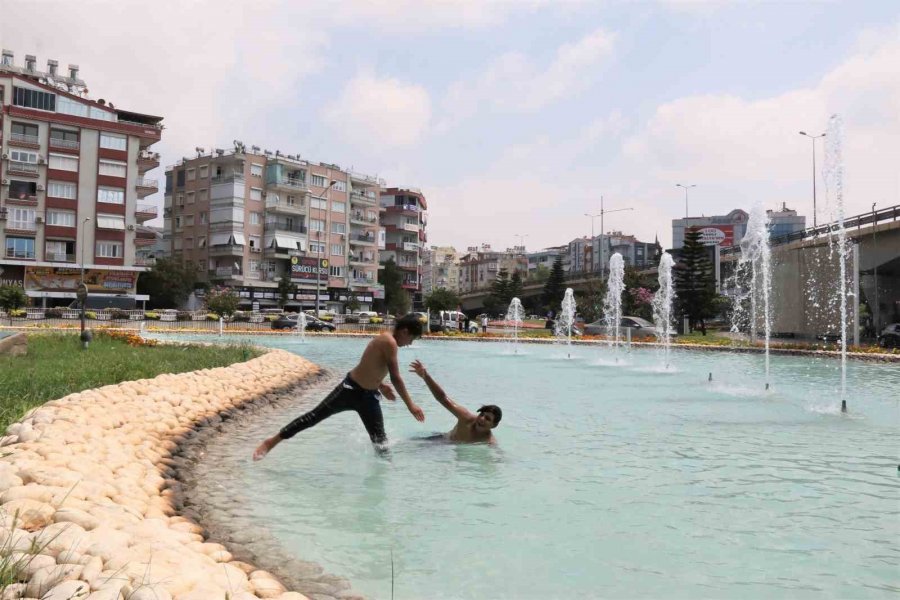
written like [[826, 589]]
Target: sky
[[513, 118]]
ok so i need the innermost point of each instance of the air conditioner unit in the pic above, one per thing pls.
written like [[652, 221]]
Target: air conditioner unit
[[255, 249], [5, 182], [39, 220], [2, 214], [40, 187], [5, 156], [131, 228], [41, 160]]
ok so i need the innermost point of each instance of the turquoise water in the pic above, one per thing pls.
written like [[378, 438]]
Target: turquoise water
[[613, 481]]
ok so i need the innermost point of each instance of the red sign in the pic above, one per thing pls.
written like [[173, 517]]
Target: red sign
[[305, 268], [712, 235]]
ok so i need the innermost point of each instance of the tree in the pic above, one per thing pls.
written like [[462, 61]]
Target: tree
[[168, 282], [222, 301], [352, 302], [590, 302], [638, 292], [12, 297], [396, 300], [695, 284], [499, 297], [540, 274], [555, 286], [441, 299], [515, 286], [286, 287]]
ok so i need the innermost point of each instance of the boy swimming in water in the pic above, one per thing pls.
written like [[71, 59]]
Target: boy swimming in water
[[470, 427], [362, 388]]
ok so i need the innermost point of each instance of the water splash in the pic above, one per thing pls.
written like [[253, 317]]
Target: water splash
[[566, 320], [612, 303], [833, 173], [754, 280], [663, 301], [301, 326], [514, 316]]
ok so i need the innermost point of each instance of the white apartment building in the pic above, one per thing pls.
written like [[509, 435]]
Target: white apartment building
[[403, 217], [440, 269]]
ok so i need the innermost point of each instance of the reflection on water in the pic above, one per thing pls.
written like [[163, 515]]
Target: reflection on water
[[607, 482]]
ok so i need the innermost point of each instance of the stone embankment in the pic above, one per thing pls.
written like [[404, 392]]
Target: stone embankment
[[88, 490]]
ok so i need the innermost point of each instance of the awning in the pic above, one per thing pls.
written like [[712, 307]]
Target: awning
[[289, 243], [239, 238], [220, 239]]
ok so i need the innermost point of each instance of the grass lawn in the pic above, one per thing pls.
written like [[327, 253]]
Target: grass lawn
[[57, 366]]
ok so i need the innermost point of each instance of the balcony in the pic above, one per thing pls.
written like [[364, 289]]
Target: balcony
[[362, 259], [226, 250], [409, 227], [362, 240], [58, 144], [410, 247], [144, 238], [145, 187], [146, 160], [227, 178], [289, 184], [410, 209], [22, 168], [281, 205], [410, 284], [361, 219], [276, 226], [24, 140], [361, 281], [408, 266], [145, 212], [144, 261], [59, 257], [224, 272], [26, 226], [359, 198], [24, 254]]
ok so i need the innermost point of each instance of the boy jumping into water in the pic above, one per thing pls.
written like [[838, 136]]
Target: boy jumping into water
[[470, 428], [362, 388]]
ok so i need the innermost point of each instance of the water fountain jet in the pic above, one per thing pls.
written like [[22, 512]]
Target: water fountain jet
[[514, 317], [663, 301], [612, 303], [566, 320]]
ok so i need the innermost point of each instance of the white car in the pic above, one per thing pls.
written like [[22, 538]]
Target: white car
[[450, 320]]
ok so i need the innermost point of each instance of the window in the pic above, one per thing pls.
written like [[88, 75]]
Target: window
[[25, 157], [201, 241], [63, 163], [109, 249], [339, 207], [110, 222], [318, 203], [63, 139], [204, 172], [191, 174], [178, 223], [61, 218], [20, 218], [203, 195], [203, 218], [23, 190], [254, 218], [255, 194], [17, 247], [340, 186], [254, 241], [337, 249], [337, 271], [317, 247], [338, 228], [25, 133], [111, 195], [67, 106], [113, 142], [189, 220], [190, 197], [188, 243], [34, 99], [59, 250], [113, 168], [254, 266], [316, 225], [256, 170], [179, 200], [100, 114], [318, 180], [292, 201], [201, 264]]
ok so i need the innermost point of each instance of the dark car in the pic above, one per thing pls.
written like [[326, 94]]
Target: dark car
[[890, 336], [289, 321]]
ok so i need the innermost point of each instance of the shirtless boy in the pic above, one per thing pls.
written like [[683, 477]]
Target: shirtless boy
[[470, 427], [362, 388]]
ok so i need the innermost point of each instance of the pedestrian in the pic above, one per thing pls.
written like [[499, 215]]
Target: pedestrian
[[484, 323]]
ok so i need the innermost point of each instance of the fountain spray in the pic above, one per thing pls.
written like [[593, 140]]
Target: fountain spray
[[756, 256], [514, 316], [612, 303], [662, 305], [566, 320]]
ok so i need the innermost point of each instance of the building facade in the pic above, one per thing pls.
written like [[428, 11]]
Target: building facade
[[74, 186], [785, 221], [479, 267], [249, 218], [729, 230], [544, 258], [440, 269], [403, 217]]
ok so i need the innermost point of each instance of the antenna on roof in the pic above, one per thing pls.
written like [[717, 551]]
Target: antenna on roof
[[254, 148], [199, 151], [267, 152], [219, 151]]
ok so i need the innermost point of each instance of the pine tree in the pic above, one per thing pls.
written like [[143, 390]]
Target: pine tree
[[695, 284], [554, 288], [515, 286], [499, 297], [396, 299]]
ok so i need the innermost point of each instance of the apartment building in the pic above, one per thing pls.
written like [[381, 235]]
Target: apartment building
[[404, 220], [248, 218], [74, 185], [440, 269], [479, 267], [544, 258]]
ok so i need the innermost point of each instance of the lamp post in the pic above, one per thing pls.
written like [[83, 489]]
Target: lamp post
[[521, 239], [813, 139], [82, 289], [686, 188], [603, 211], [322, 196], [875, 312]]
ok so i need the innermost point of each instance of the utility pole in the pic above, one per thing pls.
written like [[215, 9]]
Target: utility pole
[[322, 196], [813, 139], [603, 212]]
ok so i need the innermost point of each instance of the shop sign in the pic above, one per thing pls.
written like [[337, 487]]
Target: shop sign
[[715, 235], [54, 279], [307, 268]]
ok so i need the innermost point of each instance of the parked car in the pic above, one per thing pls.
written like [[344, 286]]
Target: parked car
[[641, 329], [890, 336], [290, 321], [551, 325], [450, 319]]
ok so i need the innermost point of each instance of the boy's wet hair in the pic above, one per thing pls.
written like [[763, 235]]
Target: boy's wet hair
[[410, 323], [494, 410]]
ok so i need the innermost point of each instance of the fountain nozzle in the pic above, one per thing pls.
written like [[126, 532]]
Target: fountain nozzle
[[710, 377]]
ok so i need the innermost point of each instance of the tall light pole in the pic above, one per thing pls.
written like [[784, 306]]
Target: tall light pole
[[686, 188], [521, 239], [322, 196], [603, 212], [813, 139], [875, 313], [82, 289]]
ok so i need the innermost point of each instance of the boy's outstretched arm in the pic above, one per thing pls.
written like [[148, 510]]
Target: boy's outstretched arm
[[397, 380], [439, 394]]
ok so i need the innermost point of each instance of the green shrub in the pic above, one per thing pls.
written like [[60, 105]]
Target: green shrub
[[118, 314], [151, 316], [183, 315], [271, 318], [89, 314], [212, 317], [12, 297], [240, 317], [376, 320], [53, 313]]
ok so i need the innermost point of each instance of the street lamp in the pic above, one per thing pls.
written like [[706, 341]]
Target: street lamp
[[602, 213], [813, 138], [875, 312], [521, 239], [322, 196], [686, 188], [82, 289]]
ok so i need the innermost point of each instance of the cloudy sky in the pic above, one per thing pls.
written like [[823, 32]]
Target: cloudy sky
[[512, 117]]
